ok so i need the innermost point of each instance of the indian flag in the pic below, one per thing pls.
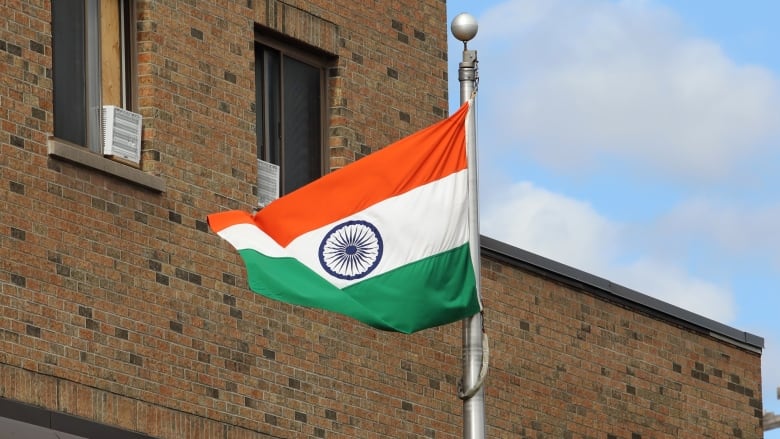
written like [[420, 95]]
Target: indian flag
[[384, 240]]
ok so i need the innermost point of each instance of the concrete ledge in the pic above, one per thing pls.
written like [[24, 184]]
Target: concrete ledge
[[82, 156]]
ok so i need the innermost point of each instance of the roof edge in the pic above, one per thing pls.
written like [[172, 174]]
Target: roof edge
[[617, 293]]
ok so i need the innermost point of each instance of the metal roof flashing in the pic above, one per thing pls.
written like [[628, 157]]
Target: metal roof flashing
[[601, 287]]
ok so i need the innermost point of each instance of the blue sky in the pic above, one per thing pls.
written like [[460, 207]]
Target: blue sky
[[638, 140]]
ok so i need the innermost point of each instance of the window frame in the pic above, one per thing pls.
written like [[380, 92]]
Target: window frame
[[77, 68], [312, 56], [74, 146]]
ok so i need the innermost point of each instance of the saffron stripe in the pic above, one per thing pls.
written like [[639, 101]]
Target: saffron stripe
[[421, 158], [222, 220]]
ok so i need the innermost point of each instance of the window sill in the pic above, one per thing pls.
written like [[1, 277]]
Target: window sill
[[82, 156]]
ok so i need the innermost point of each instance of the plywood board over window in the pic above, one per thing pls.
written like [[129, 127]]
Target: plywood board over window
[[111, 53]]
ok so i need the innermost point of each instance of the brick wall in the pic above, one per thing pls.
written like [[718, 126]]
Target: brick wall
[[568, 364], [117, 304]]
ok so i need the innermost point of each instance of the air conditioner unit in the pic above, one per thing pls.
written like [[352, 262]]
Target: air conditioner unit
[[122, 134], [267, 182]]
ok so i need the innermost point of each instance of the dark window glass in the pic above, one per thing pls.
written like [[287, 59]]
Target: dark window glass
[[302, 119], [68, 71], [269, 115]]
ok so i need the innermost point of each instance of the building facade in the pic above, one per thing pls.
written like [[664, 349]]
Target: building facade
[[122, 315]]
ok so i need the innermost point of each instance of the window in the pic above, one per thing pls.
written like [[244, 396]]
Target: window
[[93, 49], [290, 95]]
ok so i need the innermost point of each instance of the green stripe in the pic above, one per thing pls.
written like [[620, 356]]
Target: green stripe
[[431, 292]]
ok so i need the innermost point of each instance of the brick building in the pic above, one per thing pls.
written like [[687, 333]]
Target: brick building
[[122, 315]]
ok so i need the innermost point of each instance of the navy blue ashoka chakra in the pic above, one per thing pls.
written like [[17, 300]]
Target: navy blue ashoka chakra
[[351, 250]]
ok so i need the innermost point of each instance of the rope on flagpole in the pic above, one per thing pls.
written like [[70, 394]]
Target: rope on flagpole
[[467, 394]]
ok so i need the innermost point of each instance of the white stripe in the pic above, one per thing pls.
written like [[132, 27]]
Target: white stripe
[[248, 236], [423, 222]]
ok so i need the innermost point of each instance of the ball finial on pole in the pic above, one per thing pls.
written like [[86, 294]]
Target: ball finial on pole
[[464, 27]]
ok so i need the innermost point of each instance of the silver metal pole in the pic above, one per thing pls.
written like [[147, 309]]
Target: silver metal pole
[[464, 28]]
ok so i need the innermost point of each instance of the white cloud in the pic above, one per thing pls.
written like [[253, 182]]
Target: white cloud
[[572, 232], [576, 80], [549, 224], [672, 285], [737, 231]]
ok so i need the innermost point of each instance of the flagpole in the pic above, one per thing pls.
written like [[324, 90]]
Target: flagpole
[[464, 28]]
